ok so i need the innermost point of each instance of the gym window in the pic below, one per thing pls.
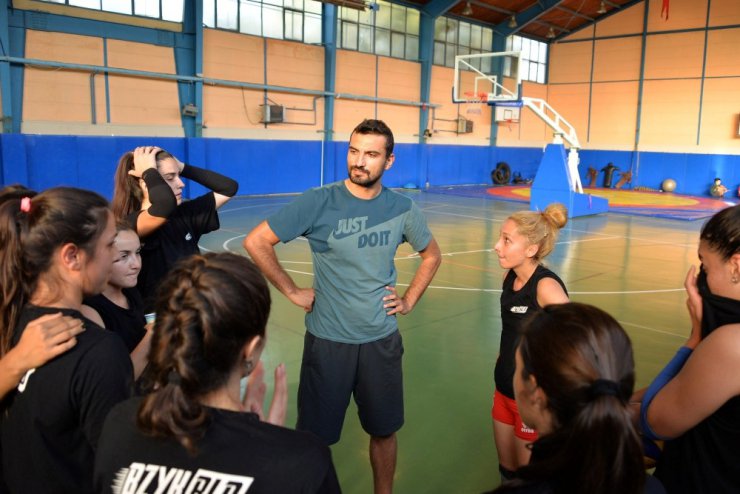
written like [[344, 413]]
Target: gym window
[[453, 37], [166, 10], [386, 29], [534, 58], [296, 20]]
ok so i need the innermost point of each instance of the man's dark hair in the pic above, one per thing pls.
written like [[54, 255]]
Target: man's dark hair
[[370, 126]]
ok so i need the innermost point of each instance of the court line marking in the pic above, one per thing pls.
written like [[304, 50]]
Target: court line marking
[[467, 289], [625, 323], [498, 290], [434, 209], [413, 255], [574, 230], [251, 207]]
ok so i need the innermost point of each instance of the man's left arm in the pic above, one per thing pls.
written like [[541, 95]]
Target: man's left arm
[[431, 258]]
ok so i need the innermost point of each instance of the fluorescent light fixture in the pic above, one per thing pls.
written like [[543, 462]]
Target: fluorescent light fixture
[[512, 22], [602, 8], [550, 33], [468, 10]]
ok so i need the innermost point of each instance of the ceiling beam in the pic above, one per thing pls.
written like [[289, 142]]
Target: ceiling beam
[[577, 14], [621, 8], [435, 8], [554, 26], [492, 7], [530, 14]]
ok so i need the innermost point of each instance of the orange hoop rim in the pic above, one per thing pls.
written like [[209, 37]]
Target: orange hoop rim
[[479, 97]]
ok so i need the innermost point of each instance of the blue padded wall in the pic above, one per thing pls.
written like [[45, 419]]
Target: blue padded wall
[[276, 167], [693, 173]]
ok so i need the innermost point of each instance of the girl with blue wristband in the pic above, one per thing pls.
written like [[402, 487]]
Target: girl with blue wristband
[[694, 403]]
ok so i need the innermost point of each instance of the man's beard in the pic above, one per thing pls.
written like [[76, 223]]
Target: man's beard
[[367, 182]]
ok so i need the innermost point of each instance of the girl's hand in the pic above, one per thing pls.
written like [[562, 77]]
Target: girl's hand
[[144, 159], [694, 304]]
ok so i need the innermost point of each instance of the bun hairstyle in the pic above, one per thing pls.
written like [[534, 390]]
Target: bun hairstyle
[[582, 359], [32, 227], [127, 192], [541, 228], [208, 307]]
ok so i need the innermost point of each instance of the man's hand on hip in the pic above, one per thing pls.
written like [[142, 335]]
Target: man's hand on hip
[[303, 297], [395, 304]]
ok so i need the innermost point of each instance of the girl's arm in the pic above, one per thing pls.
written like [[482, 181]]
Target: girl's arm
[[43, 339], [704, 383], [550, 292], [223, 187]]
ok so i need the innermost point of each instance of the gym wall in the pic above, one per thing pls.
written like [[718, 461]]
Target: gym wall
[[668, 113]]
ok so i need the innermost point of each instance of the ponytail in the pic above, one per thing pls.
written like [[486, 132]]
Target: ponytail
[[32, 227], [127, 193], [208, 308], [14, 292], [582, 359]]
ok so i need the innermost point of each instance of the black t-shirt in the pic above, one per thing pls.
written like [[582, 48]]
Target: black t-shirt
[[515, 307], [51, 429], [706, 458], [238, 451], [126, 323], [176, 239]]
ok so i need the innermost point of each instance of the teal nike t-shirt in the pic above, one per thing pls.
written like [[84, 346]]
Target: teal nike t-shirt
[[353, 243]]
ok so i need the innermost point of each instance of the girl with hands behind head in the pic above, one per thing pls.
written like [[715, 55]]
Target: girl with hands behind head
[[148, 195]]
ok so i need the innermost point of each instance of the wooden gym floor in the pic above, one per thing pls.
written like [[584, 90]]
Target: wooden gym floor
[[631, 266]]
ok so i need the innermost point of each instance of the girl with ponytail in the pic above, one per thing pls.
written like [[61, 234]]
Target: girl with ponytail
[[573, 380], [209, 333], [526, 238], [57, 248], [148, 195], [44, 338]]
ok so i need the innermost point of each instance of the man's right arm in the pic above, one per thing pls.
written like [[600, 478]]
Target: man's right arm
[[260, 244]]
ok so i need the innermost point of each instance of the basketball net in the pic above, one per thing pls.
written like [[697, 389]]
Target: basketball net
[[473, 97]]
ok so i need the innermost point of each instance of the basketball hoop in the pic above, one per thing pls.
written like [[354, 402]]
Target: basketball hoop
[[508, 122], [473, 97]]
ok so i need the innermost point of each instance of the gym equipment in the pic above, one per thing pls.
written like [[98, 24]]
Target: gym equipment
[[502, 173], [668, 185], [609, 170]]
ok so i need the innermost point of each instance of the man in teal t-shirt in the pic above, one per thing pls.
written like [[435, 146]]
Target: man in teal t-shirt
[[352, 344]]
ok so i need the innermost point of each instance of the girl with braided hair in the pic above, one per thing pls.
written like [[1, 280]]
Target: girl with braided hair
[[58, 248], [573, 380], [195, 429], [526, 238]]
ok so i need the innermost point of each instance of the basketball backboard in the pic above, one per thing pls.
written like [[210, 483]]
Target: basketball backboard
[[487, 77]]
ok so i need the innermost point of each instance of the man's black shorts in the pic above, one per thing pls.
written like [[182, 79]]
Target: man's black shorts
[[331, 372]]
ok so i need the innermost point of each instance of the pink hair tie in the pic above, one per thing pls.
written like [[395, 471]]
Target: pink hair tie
[[26, 204]]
